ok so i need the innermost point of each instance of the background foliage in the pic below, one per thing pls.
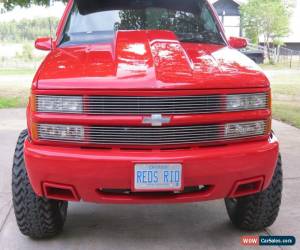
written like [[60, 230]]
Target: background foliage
[[10, 4], [266, 18], [26, 30]]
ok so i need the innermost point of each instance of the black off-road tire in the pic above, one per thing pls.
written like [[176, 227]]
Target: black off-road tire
[[258, 211], [37, 217]]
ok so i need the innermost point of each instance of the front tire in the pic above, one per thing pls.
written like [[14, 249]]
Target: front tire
[[258, 211], [37, 217]]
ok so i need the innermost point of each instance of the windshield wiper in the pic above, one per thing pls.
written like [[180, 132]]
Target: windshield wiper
[[190, 40], [195, 40]]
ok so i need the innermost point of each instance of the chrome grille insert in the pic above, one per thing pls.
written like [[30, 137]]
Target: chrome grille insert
[[153, 135], [160, 135], [154, 105]]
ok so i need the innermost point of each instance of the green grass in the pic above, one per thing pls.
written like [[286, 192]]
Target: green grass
[[285, 84], [12, 102], [14, 87], [290, 90], [280, 66], [288, 112], [12, 72], [286, 102], [286, 78]]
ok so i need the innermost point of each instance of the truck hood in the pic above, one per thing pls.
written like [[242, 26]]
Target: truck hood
[[148, 60]]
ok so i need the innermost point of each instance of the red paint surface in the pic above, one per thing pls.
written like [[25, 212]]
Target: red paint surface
[[90, 169], [147, 63], [149, 60]]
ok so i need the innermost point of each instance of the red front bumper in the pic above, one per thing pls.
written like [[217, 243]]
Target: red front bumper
[[89, 170]]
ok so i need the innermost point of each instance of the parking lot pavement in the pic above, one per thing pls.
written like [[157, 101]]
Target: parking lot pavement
[[184, 226]]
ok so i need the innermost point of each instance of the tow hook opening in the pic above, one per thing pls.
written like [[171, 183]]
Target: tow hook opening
[[60, 192], [247, 187]]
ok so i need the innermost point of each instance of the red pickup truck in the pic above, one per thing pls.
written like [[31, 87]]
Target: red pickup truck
[[144, 102]]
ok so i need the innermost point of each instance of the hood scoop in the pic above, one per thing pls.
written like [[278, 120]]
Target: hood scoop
[[137, 52]]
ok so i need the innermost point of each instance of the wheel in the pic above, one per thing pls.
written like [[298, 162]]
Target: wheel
[[37, 217], [258, 211]]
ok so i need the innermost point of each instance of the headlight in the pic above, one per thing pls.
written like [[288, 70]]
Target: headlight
[[245, 129], [60, 132], [59, 104], [247, 101]]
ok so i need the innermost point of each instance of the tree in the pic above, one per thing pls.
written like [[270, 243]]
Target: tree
[[10, 4], [268, 19]]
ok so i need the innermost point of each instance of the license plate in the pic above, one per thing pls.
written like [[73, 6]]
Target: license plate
[[157, 177]]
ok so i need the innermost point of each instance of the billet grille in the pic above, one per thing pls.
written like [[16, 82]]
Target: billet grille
[[153, 105], [151, 135], [144, 105], [161, 135]]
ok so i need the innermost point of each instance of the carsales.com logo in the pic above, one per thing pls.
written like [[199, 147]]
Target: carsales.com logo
[[268, 240]]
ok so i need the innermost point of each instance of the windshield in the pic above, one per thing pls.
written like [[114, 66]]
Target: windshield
[[190, 20]]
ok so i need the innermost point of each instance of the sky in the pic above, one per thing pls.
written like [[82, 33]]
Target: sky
[[57, 10]]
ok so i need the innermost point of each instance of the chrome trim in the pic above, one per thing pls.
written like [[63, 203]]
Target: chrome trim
[[144, 105], [157, 135], [156, 120]]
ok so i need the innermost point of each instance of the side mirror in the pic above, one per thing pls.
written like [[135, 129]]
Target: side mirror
[[237, 42], [44, 43]]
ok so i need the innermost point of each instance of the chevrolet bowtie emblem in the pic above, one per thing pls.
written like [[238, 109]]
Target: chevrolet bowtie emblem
[[156, 120]]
